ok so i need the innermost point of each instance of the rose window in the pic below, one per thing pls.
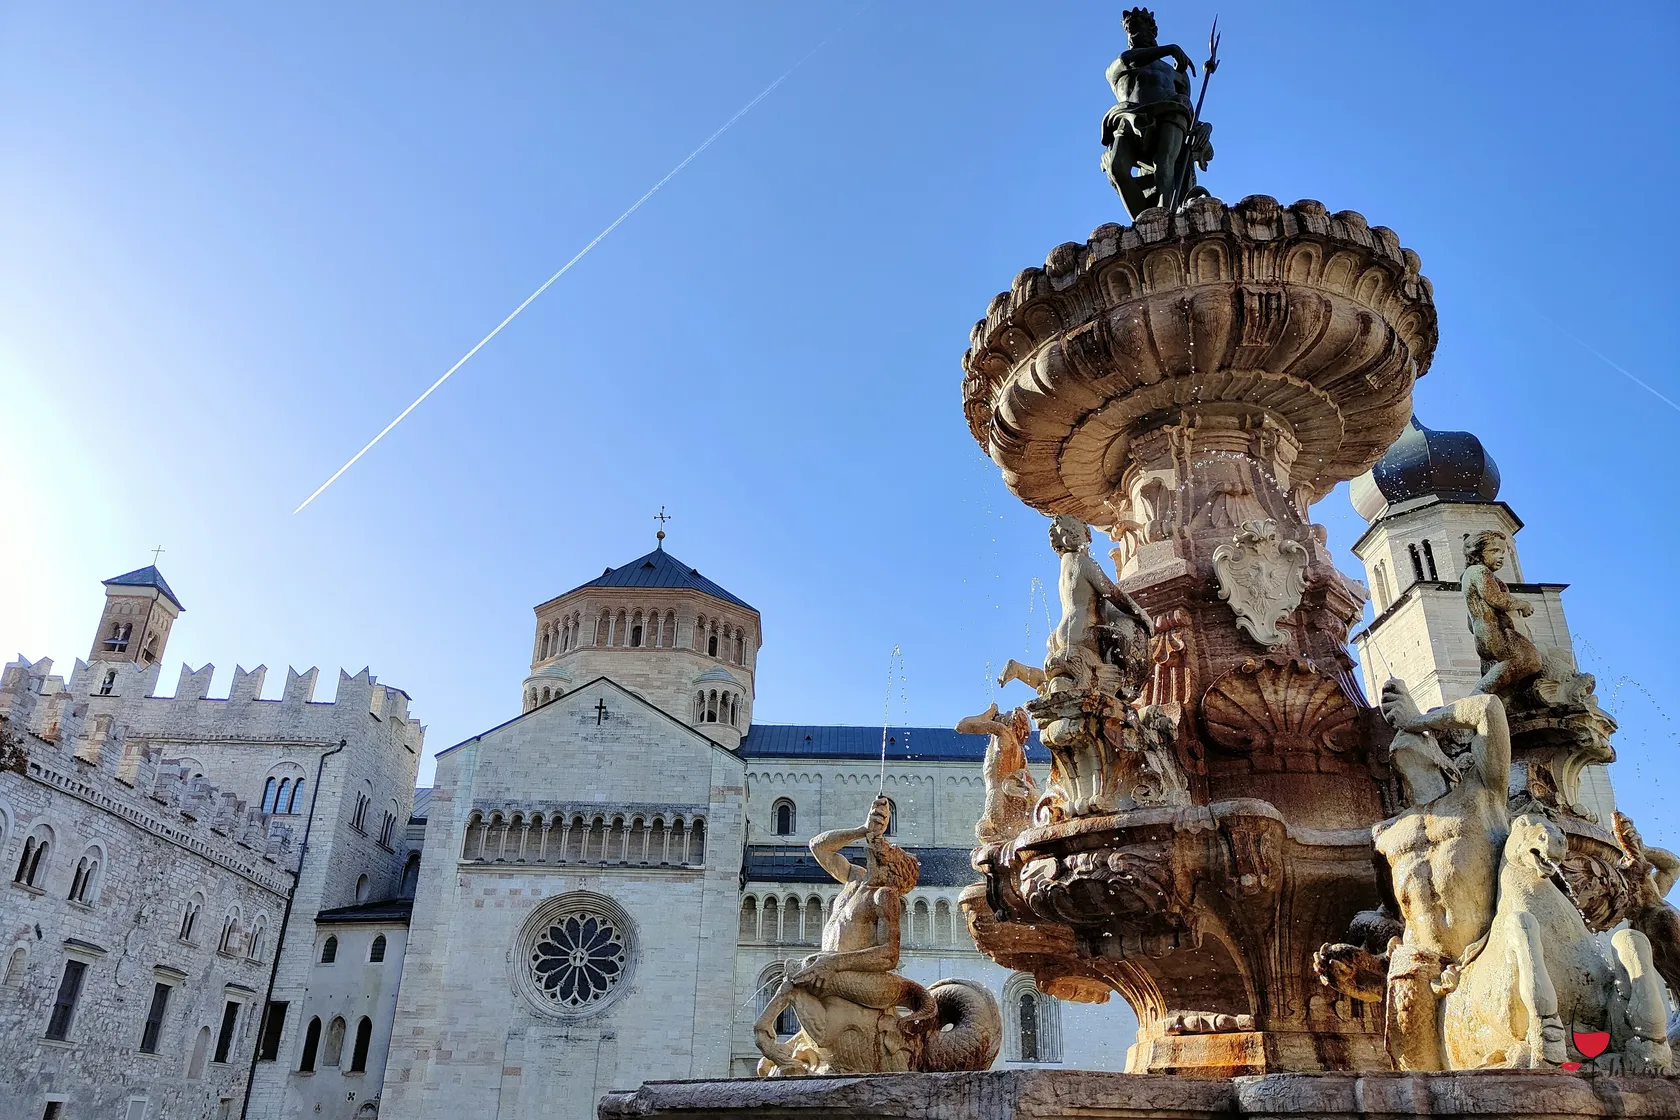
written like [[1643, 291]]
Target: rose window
[[578, 959]]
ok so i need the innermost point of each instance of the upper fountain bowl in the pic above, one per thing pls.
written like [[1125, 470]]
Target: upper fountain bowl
[[1314, 322]]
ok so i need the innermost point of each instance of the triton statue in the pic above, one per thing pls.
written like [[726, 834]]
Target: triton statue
[[1154, 135]]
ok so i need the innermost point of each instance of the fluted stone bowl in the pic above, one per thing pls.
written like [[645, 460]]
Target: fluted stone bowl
[[1317, 321]]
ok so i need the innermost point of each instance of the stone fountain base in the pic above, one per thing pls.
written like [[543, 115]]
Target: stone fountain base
[[1048, 1094]]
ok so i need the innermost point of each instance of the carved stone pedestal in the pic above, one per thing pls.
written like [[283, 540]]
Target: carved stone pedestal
[[1042, 1094]]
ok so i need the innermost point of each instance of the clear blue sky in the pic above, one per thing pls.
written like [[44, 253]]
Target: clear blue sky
[[236, 240]]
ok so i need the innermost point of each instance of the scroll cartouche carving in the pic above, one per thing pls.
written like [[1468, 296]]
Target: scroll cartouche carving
[[1263, 577], [856, 1014]]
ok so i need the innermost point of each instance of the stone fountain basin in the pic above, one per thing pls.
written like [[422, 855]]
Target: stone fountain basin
[[1318, 322]]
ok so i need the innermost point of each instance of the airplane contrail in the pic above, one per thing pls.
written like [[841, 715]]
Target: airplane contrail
[[1557, 326], [581, 253]]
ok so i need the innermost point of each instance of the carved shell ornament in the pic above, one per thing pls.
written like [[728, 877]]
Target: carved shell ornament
[[1279, 705], [1263, 577]]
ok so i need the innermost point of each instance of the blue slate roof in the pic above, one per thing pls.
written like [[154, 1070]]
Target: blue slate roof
[[660, 569], [148, 576], [422, 804], [770, 863], [904, 744]]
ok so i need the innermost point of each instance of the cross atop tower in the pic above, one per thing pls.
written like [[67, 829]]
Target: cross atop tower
[[661, 517], [156, 552]]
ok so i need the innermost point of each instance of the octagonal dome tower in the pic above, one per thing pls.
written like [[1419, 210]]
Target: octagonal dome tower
[[660, 628]]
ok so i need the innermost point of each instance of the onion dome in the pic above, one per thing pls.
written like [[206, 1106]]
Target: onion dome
[[1452, 466]]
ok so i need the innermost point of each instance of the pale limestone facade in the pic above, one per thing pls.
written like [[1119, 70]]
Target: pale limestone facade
[[1413, 557], [171, 769]]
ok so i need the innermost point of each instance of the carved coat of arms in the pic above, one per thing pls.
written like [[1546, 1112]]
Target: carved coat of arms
[[1263, 577]]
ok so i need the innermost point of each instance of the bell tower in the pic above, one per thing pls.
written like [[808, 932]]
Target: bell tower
[[139, 611]]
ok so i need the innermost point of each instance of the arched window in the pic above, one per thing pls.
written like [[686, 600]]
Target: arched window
[[771, 925], [542, 645], [284, 796], [1429, 560], [334, 1049], [189, 917], [1027, 1013], [15, 965], [32, 863], [711, 645], [813, 920], [358, 1053], [636, 630], [1417, 561], [786, 818], [942, 934], [376, 953], [699, 707], [735, 712], [892, 817], [711, 706], [670, 640], [84, 883], [259, 933], [699, 629], [545, 696], [292, 803], [619, 632], [603, 628], [201, 1048], [749, 919], [1032, 1022], [311, 1043], [329, 950], [920, 933], [697, 844], [740, 647], [361, 888], [411, 875], [268, 796], [230, 932]]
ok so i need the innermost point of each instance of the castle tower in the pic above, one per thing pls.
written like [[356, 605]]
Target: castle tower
[[1428, 493], [139, 611], [658, 627]]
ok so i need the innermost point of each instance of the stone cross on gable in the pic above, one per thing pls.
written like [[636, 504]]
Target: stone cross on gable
[[601, 712], [156, 552]]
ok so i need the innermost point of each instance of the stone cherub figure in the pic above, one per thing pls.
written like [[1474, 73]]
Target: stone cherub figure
[[1509, 657], [1096, 663], [1652, 873], [1010, 789], [856, 1014], [1149, 135]]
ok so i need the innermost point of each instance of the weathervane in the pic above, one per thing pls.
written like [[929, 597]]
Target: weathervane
[[661, 517]]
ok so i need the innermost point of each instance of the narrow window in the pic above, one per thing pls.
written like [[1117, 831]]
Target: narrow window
[[1417, 561], [361, 888], [542, 652], [334, 1050], [1029, 1026], [1429, 560], [711, 645], [699, 717], [358, 1054], [784, 818], [64, 1005], [740, 649], [77, 879], [23, 864], [329, 951], [711, 706], [636, 634], [377, 953], [88, 880], [189, 920], [224, 1037], [892, 817], [109, 683], [311, 1043], [36, 875], [15, 965], [274, 1024], [284, 796], [268, 796], [787, 1022], [136, 1109], [154, 1019], [297, 794]]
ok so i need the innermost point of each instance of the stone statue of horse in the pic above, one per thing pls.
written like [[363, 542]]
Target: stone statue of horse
[[1539, 974]]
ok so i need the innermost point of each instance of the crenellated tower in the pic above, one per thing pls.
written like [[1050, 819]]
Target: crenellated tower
[[659, 627]]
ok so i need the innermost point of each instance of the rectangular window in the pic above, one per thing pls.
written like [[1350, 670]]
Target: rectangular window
[[55, 1111], [154, 1019], [64, 1007], [136, 1109], [274, 1023], [224, 1040]]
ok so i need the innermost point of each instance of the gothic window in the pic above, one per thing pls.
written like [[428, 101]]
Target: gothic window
[[64, 1005], [334, 1049], [329, 950], [1429, 561], [785, 817], [359, 1053], [109, 683], [311, 1043], [749, 920], [376, 953], [189, 917], [1417, 562], [358, 815], [387, 828]]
